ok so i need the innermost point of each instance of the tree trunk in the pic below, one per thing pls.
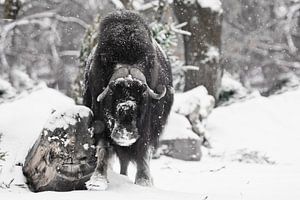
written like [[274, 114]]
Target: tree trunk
[[63, 157], [11, 9], [202, 48]]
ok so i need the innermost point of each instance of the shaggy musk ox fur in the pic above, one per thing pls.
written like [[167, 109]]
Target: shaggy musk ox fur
[[129, 89]]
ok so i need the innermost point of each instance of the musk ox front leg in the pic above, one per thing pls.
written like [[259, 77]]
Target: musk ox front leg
[[124, 166], [143, 176], [98, 181]]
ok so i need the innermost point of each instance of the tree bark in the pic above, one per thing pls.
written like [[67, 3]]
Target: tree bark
[[11, 9], [202, 48], [63, 157]]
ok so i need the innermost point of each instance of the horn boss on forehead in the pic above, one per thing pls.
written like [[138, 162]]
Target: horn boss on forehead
[[132, 74]]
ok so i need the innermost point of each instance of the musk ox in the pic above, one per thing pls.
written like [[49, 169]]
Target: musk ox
[[128, 86]]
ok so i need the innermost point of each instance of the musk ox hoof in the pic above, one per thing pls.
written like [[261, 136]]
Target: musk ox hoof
[[144, 182], [97, 182]]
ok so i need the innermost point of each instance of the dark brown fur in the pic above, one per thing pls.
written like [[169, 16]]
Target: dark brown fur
[[125, 38]]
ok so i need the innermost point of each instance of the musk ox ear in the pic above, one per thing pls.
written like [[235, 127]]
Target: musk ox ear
[[106, 91]]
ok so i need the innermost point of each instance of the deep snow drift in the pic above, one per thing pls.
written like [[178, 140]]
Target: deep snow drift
[[255, 153]]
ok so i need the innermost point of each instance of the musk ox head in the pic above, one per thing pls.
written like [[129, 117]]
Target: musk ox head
[[125, 99]]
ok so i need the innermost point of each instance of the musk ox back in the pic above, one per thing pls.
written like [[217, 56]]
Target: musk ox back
[[128, 86]]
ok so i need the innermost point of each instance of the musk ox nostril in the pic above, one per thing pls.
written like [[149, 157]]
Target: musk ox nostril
[[124, 135], [126, 111]]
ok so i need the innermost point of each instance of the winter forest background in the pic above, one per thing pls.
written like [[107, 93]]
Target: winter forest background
[[258, 41], [245, 53]]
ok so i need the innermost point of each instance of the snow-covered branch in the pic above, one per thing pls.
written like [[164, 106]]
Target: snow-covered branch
[[190, 67], [145, 6], [69, 53], [118, 4], [177, 29]]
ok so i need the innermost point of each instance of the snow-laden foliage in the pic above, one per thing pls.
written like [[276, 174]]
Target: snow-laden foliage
[[166, 36]]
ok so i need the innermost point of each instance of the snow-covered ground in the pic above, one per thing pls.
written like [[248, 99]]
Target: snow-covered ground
[[255, 153]]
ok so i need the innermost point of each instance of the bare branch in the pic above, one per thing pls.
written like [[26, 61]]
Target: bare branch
[[35, 19], [177, 29], [58, 17], [69, 53]]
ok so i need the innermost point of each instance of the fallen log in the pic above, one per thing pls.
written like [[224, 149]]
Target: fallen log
[[63, 157]]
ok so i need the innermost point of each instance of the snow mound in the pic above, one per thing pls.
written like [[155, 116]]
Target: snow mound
[[120, 187], [262, 124]]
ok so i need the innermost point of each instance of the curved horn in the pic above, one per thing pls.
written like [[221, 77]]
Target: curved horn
[[103, 94], [155, 95], [119, 73], [137, 74]]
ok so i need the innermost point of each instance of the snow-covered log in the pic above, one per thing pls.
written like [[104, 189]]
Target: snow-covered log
[[63, 157]]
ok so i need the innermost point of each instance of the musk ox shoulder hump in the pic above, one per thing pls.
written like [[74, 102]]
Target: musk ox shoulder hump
[[125, 36]]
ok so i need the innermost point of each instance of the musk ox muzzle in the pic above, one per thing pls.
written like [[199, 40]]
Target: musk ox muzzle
[[124, 135], [125, 131], [127, 76]]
